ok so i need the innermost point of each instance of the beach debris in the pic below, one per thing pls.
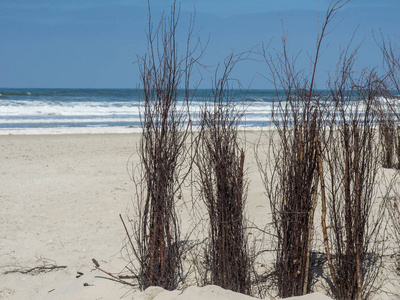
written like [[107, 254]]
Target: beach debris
[[79, 274], [96, 263], [88, 284], [119, 278], [43, 265], [127, 276], [35, 270]]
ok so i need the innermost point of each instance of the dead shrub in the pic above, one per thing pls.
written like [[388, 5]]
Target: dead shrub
[[223, 187]]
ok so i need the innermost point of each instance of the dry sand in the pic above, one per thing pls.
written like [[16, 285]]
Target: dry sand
[[61, 196]]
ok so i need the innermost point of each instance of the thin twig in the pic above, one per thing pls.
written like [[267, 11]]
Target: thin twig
[[38, 269]]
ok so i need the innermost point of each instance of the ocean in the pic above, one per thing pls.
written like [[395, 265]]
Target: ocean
[[55, 111]]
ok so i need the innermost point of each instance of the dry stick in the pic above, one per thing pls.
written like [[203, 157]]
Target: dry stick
[[389, 150], [323, 215], [347, 203], [312, 217], [357, 211], [40, 269], [133, 249], [241, 168], [301, 142], [391, 145], [127, 232], [129, 237], [115, 277], [311, 221], [310, 226], [397, 146]]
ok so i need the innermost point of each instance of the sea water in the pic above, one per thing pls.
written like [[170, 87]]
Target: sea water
[[41, 111], [52, 111]]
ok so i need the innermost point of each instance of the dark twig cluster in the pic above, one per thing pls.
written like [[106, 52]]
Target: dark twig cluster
[[163, 167], [36, 270], [291, 178], [325, 147], [390, 133], [352, 161], [223, 187]]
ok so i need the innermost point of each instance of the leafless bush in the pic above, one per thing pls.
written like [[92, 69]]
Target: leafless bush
[[155, 248], [291, 189], [350, 183], [223, 187], [291, 179], [391, 134]]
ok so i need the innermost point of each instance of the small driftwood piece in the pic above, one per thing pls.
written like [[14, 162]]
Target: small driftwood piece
[[117, 278], [35, 270]]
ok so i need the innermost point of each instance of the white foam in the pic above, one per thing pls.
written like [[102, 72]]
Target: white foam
[[69, 130], [63, 120], [37, 108]]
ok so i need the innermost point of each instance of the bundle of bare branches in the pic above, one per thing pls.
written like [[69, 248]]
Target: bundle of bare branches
[[163, 152], [290, 175], [390, 133], [290, 181], [391, 63], [223, 187], [350, 191]]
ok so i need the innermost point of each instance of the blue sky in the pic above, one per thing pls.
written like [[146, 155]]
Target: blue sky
[[94, 43]]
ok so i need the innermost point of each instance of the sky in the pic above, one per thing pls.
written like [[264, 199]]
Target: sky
[[95, 43]]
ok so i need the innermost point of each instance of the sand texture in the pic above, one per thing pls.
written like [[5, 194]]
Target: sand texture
[[61, 196]]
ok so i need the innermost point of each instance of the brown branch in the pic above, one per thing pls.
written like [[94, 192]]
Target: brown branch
[[357, 213], [323, 212], [118, 278], [310, 229], [38, 269], [127, 234]]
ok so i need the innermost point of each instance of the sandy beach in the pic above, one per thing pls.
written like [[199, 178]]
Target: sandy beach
[[61, 196]]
